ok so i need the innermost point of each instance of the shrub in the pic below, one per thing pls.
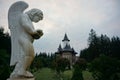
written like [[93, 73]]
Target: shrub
[[81, 63], [77, 73], [105, 68], [62, 64]]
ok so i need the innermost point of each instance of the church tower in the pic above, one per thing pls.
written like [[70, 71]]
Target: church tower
[[66, 51]]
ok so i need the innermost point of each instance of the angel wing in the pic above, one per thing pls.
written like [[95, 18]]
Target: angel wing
[[14, 13]]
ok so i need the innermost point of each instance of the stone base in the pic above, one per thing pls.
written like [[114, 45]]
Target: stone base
[[21, 79]]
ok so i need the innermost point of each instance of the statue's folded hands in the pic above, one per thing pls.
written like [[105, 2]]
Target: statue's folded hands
[[37, 34]]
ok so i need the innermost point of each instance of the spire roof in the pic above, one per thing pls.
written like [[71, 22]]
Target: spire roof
[[59, 48], [65, 38]]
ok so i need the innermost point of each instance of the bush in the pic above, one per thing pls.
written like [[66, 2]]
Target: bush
[[81, 63], [105, 68], [77, 73], [79, 66], [62, 64], [4, 65]]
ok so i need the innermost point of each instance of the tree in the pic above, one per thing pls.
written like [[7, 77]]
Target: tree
[[92, 37], [77, 73], [5, 41], [93, 45], [61, 64], [82, 63], [79, 66], [42, 60], [115, 47], [5, 47], [104, 46]]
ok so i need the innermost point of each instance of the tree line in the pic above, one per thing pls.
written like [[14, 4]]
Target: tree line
[[98, 45]]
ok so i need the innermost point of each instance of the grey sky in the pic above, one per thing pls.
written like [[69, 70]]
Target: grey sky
[[74, 17]]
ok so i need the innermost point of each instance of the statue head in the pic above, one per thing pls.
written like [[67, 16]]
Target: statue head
[[35, 15]]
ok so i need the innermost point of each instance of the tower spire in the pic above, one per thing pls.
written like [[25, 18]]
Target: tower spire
[[59, 48], [65, 38]]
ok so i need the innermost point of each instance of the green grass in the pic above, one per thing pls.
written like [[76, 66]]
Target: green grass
[[67, 75], [87, 75], [48, 74], [44, 74]]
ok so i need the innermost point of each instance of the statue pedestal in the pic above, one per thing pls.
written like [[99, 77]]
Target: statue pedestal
[[21, 79]]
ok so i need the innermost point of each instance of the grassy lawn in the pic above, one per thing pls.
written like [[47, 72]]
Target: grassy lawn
[[67, 75], [44, 74], [87, 75], [48, 74]]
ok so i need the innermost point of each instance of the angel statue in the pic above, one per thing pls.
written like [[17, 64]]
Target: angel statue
[[22, 37]]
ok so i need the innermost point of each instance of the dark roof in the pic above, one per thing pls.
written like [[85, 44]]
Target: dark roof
[[67, 48], [59, 48], [65, 38]]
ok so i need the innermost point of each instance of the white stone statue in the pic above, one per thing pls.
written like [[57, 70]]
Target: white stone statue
[[22, 37]]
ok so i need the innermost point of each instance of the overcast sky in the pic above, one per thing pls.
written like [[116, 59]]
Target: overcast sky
[[74, 17]]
